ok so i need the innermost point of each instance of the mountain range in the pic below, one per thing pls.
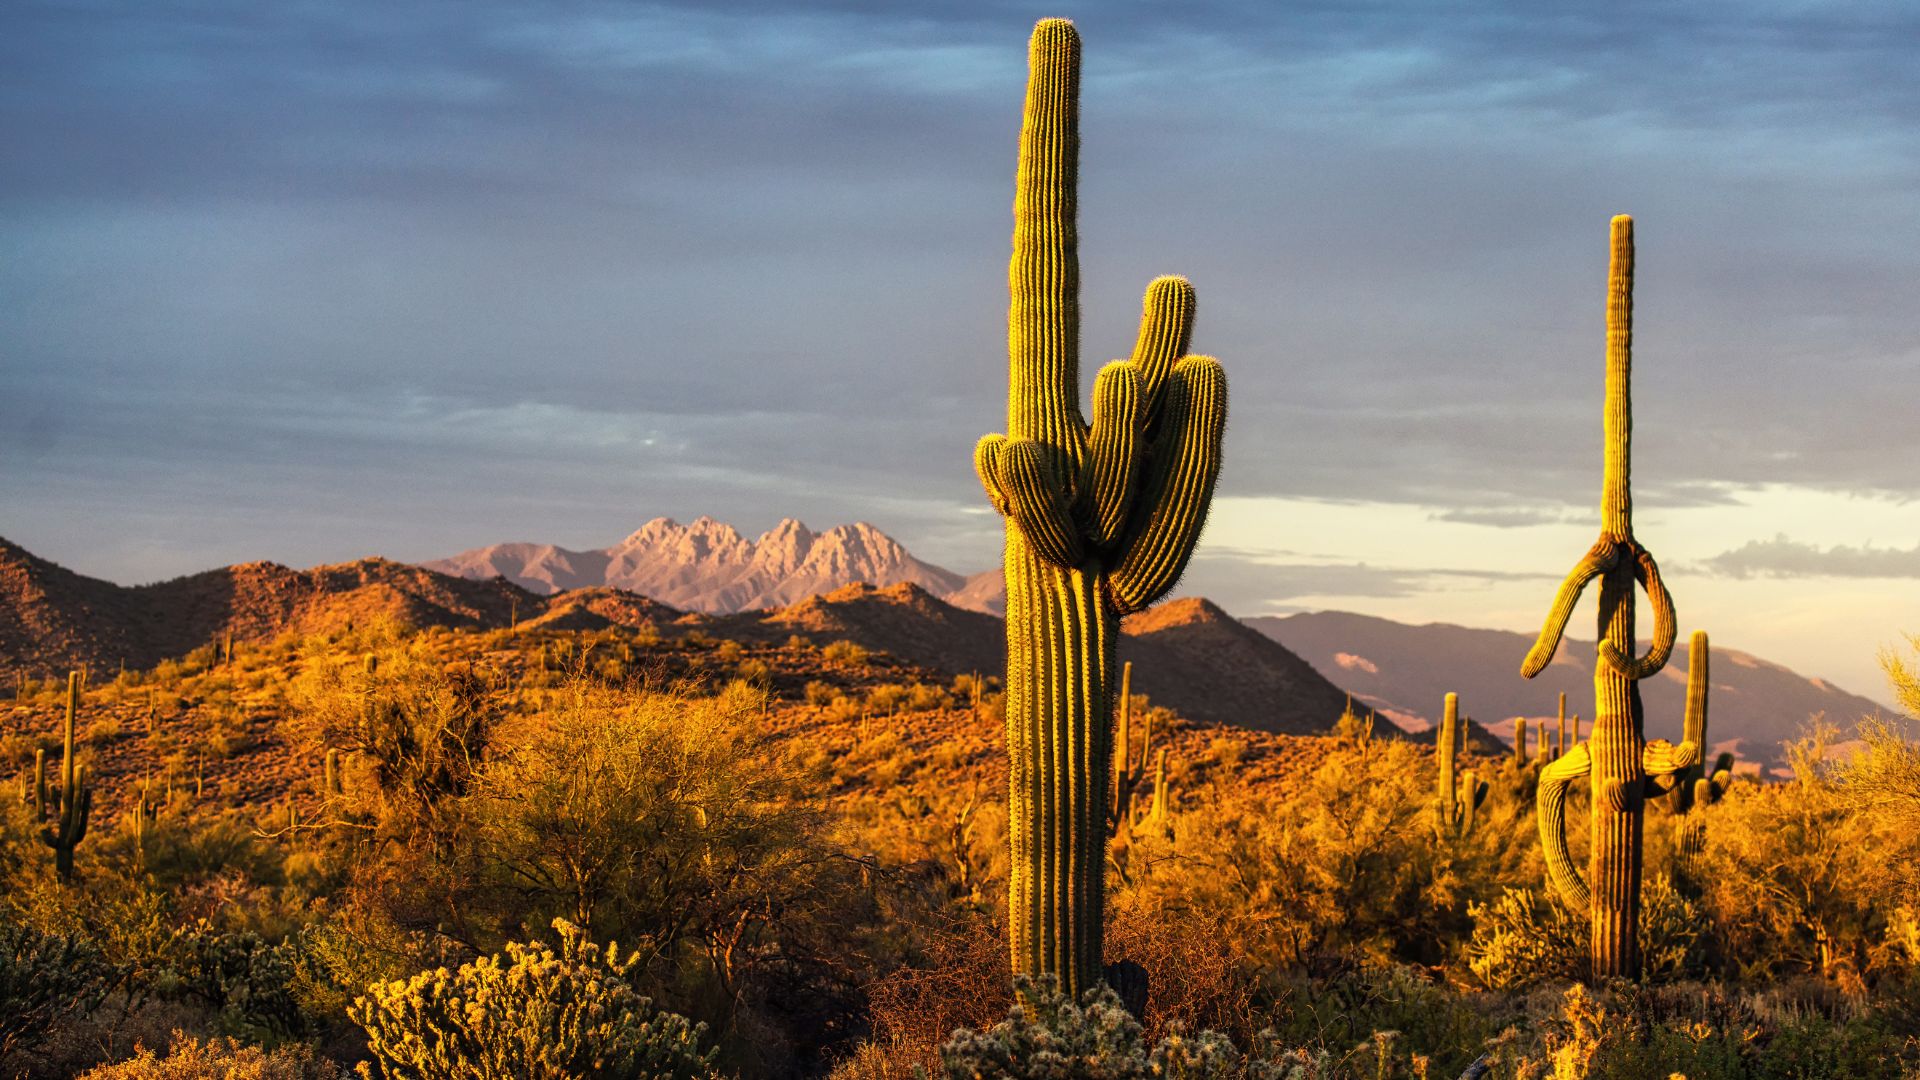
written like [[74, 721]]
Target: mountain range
[[708, 566], [1189, 655], [1287, 674]]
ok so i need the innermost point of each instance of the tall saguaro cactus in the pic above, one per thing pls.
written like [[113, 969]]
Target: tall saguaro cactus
[[73, 806], [1101, 519], [1617, 757]]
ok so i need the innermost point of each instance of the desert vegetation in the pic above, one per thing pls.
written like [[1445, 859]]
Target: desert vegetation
[[580, 848], [656, 862]]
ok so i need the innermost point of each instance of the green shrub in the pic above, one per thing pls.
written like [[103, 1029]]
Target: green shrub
[[246, 979], [44, 977], [533, 1013]]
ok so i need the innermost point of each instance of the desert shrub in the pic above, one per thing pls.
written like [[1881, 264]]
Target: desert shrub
[[1046, 1035], [219, 1059], [1348, 864], [43, 978], [1703, 1033], [888, 698], [818, 694], [1882, 780], [1796, 878], [678, 825], [421, 727], [1522, 939], [844, 652], [533, 1012], [756, 673], [245, 979], [923, 697], [1382, 1020]]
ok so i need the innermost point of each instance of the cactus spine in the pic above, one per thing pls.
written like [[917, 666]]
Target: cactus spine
[[74, 805], [1101, 520], [1617, 757], [1455, 801]]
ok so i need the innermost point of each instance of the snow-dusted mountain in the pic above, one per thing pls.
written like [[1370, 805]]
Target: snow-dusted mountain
[[708, 566]]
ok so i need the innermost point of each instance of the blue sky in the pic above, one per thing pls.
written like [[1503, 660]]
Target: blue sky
[[311, 281]]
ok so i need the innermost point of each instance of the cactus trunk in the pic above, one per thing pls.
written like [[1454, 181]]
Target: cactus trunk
[[1060, 644], [1617, 814]]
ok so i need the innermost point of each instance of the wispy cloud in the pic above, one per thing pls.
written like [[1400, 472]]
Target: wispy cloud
[[1784, 558]]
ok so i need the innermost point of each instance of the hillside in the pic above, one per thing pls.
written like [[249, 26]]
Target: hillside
[[1404, 670], [1189, 655]]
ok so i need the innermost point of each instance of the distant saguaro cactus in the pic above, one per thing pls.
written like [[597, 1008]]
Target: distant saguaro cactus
[[71, 809], [1520, 740], [1101, 519], [1455, 802], [1617, 757], [1561, 745]]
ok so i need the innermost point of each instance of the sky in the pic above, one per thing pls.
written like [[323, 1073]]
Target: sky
[[312, 281]]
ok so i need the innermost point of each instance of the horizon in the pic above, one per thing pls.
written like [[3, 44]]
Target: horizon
[[306, 286]]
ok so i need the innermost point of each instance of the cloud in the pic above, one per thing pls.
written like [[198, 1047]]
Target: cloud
[[1784, 558], [1500, 517], [1262, 584]]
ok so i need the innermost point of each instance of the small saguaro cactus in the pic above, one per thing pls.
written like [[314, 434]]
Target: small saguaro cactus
[[1127, 770], [1561, 745], [1101, 519], [1680, 792], [33, 790], [1520, 740], [1161, 816], [1456, 801], [1618, 757], [66, 815], [332, 786]]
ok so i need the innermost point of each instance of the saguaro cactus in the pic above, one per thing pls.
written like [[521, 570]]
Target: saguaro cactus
[[1455, 801], [1101, 520], [71, 809], [1520, 740], [1680, 787], [1560, 742], [1617, 757]]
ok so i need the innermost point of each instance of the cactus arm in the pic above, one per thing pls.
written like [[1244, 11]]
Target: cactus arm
[[1037, 502], [1179, 485], [1667, 765], [1647, 573], [1113, 449], [1598, 559], [1043, 318], [1616, 491], [1550, 812], [1166, 327], [986, 465]]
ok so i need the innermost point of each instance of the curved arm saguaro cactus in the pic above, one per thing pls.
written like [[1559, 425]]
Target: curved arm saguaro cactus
[[1617, 757], [1101, 519]]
